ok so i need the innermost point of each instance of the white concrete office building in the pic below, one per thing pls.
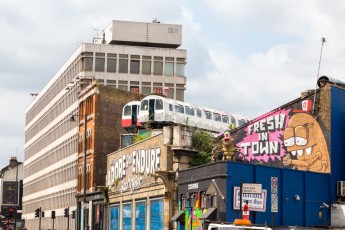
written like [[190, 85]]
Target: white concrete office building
[[133, 56]]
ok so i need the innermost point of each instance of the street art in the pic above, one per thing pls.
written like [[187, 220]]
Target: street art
[[289, 137], [192, 216], [303, 138]]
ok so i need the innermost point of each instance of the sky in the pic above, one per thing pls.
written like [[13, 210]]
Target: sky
[[245, 57]]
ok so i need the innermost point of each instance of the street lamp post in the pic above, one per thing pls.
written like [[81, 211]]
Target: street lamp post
[[84, 167]]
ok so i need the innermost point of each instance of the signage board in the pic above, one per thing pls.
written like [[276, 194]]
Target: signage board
[[274, 203], [256, 201], [251, 188]]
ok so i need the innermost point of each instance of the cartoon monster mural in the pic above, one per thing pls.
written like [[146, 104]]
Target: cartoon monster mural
[[304, 140]]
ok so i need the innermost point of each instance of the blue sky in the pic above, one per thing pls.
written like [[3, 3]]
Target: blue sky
[[246, 57]]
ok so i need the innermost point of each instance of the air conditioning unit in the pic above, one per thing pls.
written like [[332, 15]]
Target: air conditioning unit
[[340, 188]]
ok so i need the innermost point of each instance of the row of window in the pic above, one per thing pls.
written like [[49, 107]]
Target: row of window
[[56, 154], [134, 64], [191, 200], [128, 215], [59, 200], [187, 110], [56, 177], [58, 86]]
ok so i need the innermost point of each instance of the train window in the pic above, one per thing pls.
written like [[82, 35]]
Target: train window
[[159, 104], [179, 108], [216, 117], [127, 111], [225, 119], [241, 122], [198, 112], [144, 105], [190, 111], [208, 115], [171, 107], [233, 121]]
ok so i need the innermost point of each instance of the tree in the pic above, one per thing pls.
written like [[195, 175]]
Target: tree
[[204, 142]]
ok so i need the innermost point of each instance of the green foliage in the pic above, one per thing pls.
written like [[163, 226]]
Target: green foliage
[[143, 134], [204, 142]]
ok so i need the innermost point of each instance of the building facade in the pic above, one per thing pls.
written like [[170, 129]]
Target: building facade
[[294, 152], [127, 56], [11, 187], [142, 180]]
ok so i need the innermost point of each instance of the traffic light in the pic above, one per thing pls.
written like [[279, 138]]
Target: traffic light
[[42, 214], [66, 214], [73, 214], [37, 213], [53, 214]]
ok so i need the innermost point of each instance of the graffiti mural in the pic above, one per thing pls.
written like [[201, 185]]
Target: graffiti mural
[[288, 137], [192, 216]]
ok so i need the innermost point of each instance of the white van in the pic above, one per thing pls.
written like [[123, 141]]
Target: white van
[[234, 227]]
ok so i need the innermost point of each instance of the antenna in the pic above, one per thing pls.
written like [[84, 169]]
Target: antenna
[[323, 40]]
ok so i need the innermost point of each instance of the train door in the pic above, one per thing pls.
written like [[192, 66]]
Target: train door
[[134, 114], [151, 110]]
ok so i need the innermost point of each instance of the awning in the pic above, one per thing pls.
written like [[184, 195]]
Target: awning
[[210, 214], [179, 216]]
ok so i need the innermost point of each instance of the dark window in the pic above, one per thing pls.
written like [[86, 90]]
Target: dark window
[[216, 117], [190, 111], [158, 68], [171, 108], [144, 105], [123, 66], [159, 104], [111, 65], [179, 108], [198, 112], [135, 66], [88, 64], [127, 111], [99, 65], [208, 115], [146, 67], [225, 119]]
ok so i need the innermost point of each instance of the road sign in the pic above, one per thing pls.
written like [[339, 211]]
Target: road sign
[[274, 203], [274, 185], [251, 188]]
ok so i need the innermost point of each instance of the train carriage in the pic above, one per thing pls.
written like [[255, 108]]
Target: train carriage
[[159, 111], [130, 115]]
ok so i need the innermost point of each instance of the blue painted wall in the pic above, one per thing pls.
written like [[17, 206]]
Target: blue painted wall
[[309, 186], [337, 138]]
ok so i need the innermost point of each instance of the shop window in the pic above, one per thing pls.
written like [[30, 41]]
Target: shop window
[[127, 216], [140, 215], [156, 214], [114, 217]]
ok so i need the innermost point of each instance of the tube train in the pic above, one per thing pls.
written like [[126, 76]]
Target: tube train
[[158, 111]]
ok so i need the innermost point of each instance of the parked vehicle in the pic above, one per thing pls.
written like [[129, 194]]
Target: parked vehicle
[[235, 227]]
